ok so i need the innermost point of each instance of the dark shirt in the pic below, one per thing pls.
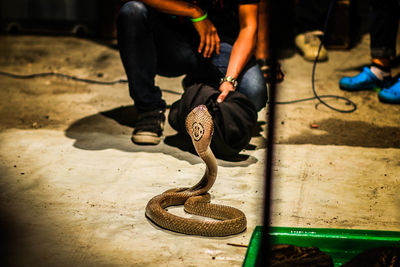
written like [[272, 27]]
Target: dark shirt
[[224, 15]]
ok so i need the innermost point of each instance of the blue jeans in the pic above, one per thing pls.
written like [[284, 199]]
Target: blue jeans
[[152, 43]]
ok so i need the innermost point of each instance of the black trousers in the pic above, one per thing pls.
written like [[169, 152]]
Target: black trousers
[[384, 21]]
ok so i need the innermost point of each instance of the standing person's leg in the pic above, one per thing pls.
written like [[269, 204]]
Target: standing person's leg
[[384, 20], [383, 45], [148, 46], [251, 82], [383, 31]]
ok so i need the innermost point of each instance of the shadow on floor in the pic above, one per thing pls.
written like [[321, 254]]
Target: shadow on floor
[[112, 129], [11, 233], [349, 133], [23, 238], [185, 144]]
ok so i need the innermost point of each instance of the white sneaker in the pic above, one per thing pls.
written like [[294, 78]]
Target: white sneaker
[[308, 43]]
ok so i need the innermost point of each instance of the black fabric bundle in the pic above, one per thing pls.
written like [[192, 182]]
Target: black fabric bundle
[[234, 118]]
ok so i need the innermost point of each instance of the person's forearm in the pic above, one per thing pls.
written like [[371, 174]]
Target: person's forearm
[[175, 7], [242, 51]]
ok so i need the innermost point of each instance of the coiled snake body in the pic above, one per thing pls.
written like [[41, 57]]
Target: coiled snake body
[[195, 199]]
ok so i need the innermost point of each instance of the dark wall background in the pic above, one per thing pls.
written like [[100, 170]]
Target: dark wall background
[[96, 18], [88, 17]]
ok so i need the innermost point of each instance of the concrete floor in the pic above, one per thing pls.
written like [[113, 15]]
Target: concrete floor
[[73, 187]]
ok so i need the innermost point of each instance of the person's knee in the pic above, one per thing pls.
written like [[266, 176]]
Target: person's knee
[[132, 11], [254, 87]]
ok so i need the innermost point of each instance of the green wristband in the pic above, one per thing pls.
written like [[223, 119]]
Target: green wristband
[[200, 18]]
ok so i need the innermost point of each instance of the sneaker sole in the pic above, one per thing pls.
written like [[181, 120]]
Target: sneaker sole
[[376, 89], [146, 138], [388, 101]]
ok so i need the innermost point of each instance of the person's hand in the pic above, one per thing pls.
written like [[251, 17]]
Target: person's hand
[[209, 39], [225, 88]]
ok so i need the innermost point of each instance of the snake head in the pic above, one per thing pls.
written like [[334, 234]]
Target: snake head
[[200, 127]]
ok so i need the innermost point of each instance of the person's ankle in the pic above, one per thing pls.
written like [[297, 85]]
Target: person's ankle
[[383, 63], [380, 67]]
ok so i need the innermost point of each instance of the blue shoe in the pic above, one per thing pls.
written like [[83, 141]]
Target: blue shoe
[[365, 80], [390, 95]]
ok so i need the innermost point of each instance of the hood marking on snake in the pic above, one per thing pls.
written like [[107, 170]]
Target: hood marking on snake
[[198, 131]]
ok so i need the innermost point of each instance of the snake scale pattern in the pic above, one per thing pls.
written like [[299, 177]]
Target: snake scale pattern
[[196, 199]]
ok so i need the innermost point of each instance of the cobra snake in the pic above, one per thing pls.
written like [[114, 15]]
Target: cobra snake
[[196, 199]]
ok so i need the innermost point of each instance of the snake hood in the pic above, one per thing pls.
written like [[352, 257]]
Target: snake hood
[[234, 119], [199, 125]]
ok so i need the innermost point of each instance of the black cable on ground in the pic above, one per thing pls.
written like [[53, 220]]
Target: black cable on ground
[[47, 74], [70, 77], [320, 97]]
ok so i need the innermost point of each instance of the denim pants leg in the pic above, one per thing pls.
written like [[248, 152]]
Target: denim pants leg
[[384, 20], [149, 45], [251, 82]]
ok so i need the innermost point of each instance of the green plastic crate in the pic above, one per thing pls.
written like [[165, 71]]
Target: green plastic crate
[[341, 244]]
